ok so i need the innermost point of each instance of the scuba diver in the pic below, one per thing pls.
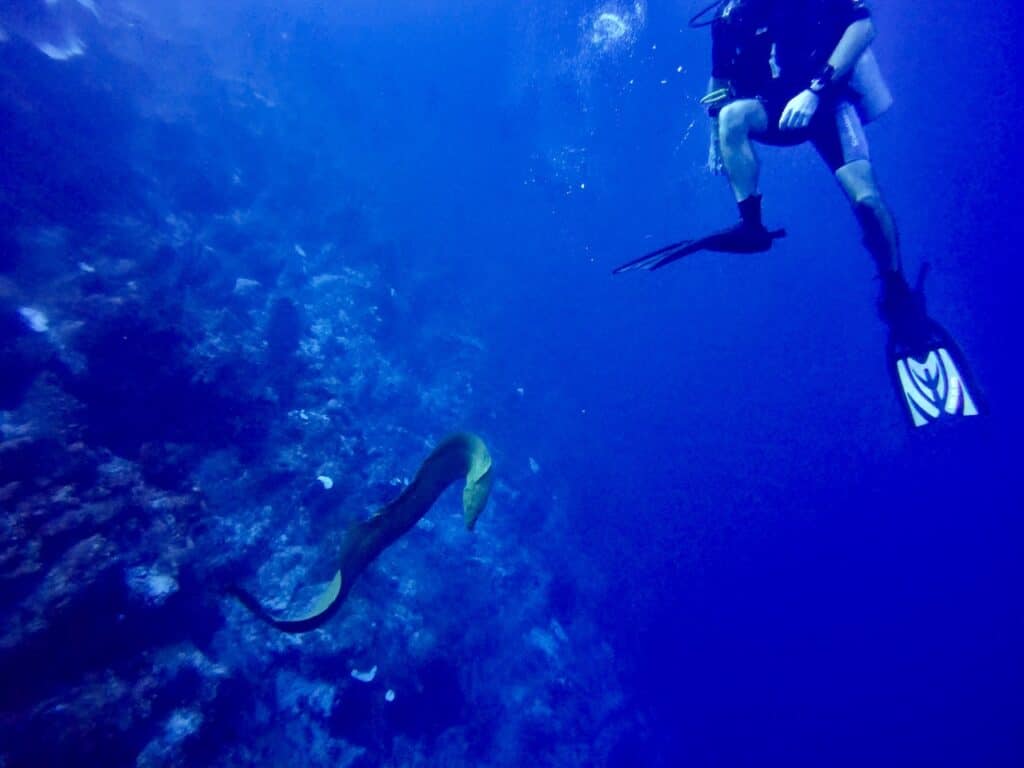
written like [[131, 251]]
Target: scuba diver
[[785, 72]]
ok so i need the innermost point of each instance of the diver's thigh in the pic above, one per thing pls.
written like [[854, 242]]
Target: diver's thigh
[[839, 138]]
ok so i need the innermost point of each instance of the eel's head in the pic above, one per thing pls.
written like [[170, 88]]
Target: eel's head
[[478, 478]]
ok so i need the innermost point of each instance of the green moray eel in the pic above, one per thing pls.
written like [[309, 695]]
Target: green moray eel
[[458, 455]]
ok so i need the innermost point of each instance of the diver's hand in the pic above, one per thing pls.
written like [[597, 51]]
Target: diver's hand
[[799, 111], [715, 165]]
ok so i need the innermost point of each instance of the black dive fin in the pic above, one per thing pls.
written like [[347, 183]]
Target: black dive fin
[[645, 261], [929, 370], [736, 239], [728, 241]]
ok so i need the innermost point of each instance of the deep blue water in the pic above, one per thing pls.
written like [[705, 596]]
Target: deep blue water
[[786, 573]]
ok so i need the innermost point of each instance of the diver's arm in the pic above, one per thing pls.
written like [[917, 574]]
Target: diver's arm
[[848, 50], [723, 52], [855, 40], [718, 92]]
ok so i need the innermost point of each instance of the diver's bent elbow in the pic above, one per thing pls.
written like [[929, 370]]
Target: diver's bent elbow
[[867, 30]]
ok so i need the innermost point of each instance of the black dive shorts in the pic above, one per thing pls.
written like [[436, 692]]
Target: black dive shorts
[[835, 131]]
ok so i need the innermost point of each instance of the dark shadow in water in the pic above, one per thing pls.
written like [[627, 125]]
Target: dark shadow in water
[[139, 388], [102, 638]]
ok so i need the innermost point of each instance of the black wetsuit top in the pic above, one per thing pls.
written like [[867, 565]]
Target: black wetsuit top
[[804, 33]]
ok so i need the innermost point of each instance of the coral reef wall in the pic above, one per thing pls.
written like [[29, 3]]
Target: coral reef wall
[[212, 361]]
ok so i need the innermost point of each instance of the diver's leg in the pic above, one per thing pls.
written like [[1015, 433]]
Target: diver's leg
[[876, 222], [839, 138], [897, 303], [736, 122]]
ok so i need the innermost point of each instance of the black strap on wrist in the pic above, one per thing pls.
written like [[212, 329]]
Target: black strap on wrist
[[824, 81]]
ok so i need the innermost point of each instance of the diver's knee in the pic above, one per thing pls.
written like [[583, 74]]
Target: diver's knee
[[734, 120], [857, 180]]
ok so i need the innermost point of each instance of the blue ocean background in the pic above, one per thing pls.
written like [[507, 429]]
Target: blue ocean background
[[245, 244]]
